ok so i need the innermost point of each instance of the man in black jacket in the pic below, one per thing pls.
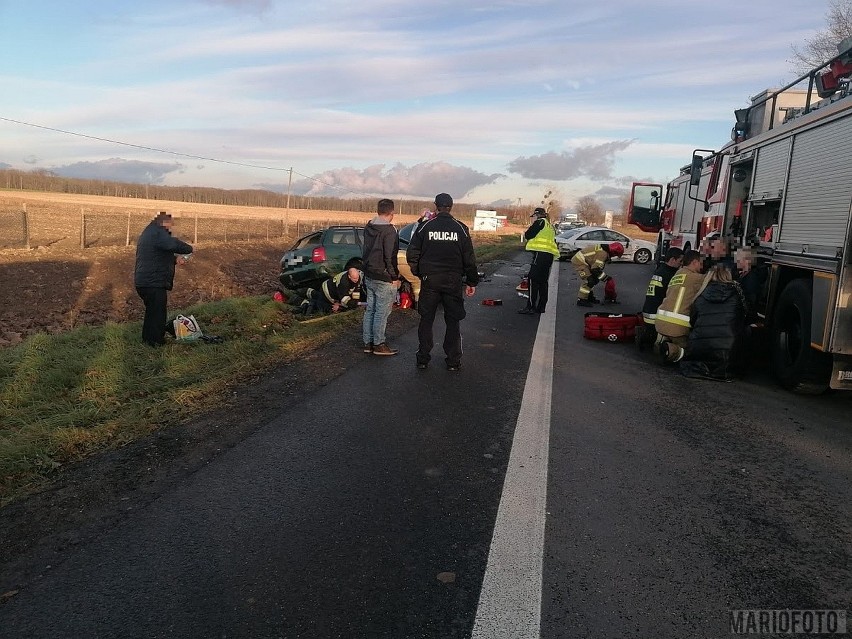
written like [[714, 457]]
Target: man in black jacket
[[441, 255], [381, 277], [156, 256]]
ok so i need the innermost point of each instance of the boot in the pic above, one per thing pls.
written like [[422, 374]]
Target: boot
[[584, 303]]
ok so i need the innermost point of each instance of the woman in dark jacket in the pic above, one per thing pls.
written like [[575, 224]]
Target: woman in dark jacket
[[718, 316]]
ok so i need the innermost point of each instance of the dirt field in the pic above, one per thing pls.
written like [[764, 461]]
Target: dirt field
[[55, 285]]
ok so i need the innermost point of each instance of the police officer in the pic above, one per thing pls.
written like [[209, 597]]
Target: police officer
[[441, 255], [541, 242]]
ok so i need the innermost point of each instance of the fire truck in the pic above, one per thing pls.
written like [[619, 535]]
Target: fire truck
[[677, 224], [783, 186]]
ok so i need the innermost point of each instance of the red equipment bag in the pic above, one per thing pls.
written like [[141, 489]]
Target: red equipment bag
[[611, 327]]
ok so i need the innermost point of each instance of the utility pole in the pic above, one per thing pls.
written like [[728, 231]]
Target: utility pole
[[287, 214]]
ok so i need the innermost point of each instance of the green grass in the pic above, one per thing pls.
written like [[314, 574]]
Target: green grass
[[63, 397]]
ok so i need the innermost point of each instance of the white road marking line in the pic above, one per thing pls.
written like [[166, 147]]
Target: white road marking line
[[510, 600]]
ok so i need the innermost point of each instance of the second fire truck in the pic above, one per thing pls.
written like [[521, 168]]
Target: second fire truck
[[784, 186]]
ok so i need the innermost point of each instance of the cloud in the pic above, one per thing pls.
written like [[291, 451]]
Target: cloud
[[116, 169], [258, 6], [421, 180], [3, 165], [594, 162], [30, 159]]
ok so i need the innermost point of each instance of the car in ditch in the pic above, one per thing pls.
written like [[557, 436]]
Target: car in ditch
[[569, 242], [320, 255]]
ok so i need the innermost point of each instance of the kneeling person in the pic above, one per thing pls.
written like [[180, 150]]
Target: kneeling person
[[672, 320], [342, 292]]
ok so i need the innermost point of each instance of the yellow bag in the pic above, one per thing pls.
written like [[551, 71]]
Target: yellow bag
[[187, 329]]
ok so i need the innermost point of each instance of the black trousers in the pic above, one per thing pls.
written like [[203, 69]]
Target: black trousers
[[539, 274], [442, 289], [154, 324]]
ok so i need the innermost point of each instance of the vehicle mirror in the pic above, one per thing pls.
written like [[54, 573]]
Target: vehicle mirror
[[695, 170]]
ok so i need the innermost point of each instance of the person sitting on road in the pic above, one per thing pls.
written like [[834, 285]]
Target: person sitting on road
[[589, 264], [672, 321], [342, 292], [714, 348], [654, 296]]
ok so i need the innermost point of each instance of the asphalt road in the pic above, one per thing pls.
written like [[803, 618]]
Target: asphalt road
[[554, 487]]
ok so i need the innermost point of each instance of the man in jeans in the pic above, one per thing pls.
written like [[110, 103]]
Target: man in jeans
[[381, 277]]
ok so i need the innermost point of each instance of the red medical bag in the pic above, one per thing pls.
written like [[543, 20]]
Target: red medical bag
[[611, 327]]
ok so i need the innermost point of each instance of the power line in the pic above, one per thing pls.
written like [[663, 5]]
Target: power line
[[179, 154]]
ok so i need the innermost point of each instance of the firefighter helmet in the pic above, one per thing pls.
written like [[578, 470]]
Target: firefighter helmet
[[616, 249]]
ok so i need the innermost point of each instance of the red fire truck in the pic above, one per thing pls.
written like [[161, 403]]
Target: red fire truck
[[784, 186]]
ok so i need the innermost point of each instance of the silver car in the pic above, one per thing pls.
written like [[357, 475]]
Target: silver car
[[569, 242]]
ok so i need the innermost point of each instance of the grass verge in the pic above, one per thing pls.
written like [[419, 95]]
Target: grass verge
[[66, 396]]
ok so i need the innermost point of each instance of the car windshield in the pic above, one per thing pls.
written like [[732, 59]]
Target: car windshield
[[309, 240], [569, 233], [406, 232]]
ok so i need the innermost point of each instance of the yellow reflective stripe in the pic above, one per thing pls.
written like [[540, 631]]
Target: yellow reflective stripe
[[674, 318], [583, 289]]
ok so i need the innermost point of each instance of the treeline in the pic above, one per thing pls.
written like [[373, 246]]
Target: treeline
[[42, 180]]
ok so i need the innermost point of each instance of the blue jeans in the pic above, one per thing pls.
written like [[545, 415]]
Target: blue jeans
[[380, 298]]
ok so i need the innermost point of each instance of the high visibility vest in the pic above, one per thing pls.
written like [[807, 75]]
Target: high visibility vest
[[545, 240]]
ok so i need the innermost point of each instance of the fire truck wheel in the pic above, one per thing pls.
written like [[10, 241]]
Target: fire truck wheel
[[797, 366]]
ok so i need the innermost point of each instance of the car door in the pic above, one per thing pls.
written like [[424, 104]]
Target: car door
[[587, 239], [341, 244], [615, 236]]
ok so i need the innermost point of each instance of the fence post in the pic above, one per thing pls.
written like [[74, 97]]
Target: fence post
[[195, 236], [267, 230], [26, 226], [82, 229], [127, 239], [226, 230]]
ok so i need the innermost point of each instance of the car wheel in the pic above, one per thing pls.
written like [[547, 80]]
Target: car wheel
[[642, 256], [798, 367]]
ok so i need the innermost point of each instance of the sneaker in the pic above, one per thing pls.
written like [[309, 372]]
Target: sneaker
[[368, 348], [384, 349], [584, 303]]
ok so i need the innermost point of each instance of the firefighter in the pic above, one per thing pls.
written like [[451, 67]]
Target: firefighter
[[672, 320], [656, 293], [541, 242], [342, 292], [589, 264]]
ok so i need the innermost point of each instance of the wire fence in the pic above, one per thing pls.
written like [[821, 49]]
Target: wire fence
[[34, 226]]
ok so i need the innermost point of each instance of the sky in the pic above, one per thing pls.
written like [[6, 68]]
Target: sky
[[495, 102]]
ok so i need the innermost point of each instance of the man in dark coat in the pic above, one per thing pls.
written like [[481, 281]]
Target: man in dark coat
[[441, 254], [156, 255], [714, 348]]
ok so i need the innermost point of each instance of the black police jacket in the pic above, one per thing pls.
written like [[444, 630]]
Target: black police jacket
[[443, 245]]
